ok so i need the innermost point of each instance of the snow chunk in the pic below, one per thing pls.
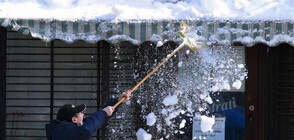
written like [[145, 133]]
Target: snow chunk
[[151, 119], [119, 38], [138, 101], [208, 99], [164, 111], [241, 66], [180, 64], [237, 84], [155, 38], [206, 123], [171, 116], [143, 135], [183, 123], [128, 102], [187, 51], [201, 109], [170, 100], [159, 43]]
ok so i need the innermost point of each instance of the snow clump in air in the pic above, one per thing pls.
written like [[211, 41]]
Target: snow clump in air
[[207, 123], [170, 100], [151, 119], [143, 135], [183, 123], [237, 84], [187, 91]]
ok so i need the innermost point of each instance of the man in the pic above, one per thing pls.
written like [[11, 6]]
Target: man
[[71, 125]]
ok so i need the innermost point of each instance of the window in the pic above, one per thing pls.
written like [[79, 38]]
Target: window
[[41, 77]]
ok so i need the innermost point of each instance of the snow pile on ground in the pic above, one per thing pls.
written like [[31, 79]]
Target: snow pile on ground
[[143, 135], [149, 9]]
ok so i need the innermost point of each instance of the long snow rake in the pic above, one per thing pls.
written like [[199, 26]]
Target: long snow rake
[[189, 41]]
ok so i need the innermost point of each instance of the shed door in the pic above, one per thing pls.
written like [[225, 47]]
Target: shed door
[[280, 99]]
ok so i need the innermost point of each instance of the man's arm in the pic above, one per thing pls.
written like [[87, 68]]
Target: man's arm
[[109, 109], [95, 121]]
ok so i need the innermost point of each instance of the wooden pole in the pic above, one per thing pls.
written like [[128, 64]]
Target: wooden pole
[[154, 70]]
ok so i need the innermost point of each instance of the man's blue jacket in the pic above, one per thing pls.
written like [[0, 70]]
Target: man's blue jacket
[[70, 131]]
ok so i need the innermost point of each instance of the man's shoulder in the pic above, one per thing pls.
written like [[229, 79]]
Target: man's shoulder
[[56, 124]]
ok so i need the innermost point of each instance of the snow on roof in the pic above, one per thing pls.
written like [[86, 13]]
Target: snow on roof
[[216, 21], [149, 9], [270, 33]]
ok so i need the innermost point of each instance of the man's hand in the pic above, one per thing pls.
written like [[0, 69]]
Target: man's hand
[[109, 110], [125, 94]]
